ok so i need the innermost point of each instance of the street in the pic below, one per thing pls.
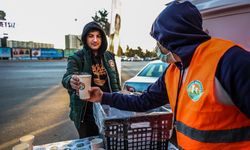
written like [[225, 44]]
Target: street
[[33, 101]]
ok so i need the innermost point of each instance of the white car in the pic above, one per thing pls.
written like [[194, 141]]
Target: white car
[[146, 76]]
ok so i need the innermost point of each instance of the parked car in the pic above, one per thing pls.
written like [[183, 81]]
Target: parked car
[[124, 58], [146, 76], [135, 58], [147, 58]]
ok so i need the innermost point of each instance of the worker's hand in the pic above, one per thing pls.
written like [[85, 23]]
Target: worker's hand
[[95, 94], [75, 83]]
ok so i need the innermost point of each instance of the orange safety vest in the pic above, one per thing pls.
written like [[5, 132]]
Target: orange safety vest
[[202, 122]]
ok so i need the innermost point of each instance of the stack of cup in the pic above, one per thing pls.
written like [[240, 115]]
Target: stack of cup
[[28, 139], [96, 144]]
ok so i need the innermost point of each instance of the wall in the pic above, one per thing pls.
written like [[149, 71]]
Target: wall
[[231, 22]]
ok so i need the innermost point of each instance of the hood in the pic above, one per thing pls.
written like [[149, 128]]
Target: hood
[[90, 26], [179, 29]]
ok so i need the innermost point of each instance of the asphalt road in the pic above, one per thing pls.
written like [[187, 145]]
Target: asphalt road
[[33, 101]]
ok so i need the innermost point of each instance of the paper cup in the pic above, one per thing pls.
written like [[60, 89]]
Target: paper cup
[[96, 144], [85, 85], [28, 139], [21, 146]]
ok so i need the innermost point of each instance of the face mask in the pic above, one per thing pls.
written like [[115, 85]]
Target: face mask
[[168, 58]]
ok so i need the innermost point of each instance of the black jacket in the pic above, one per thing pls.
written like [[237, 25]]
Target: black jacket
[[81, 61]]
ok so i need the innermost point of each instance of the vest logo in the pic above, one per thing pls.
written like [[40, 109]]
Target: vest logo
[[82, 86], [195, 90]]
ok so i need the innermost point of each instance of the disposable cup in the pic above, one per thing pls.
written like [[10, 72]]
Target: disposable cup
[[85, 85], [96, 144], [29, 139], [21, 146]]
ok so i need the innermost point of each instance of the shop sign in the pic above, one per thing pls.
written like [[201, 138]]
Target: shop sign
[[4, 23]]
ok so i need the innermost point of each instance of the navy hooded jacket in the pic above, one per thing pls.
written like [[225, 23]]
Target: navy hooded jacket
[[179, 29]]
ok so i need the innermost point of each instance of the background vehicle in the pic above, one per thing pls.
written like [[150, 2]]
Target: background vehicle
[[146, 76], [135, 58]]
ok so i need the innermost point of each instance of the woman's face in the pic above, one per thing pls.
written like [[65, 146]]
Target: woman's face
[[94, 40]]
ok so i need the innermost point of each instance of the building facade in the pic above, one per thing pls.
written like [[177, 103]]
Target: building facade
[[73, 42]]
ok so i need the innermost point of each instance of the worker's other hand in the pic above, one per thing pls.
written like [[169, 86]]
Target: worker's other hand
[[95, 94]]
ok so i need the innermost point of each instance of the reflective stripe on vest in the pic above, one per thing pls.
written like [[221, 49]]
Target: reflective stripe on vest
[[215, 136]]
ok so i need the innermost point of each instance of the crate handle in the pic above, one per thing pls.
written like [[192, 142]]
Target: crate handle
[[140, 125]]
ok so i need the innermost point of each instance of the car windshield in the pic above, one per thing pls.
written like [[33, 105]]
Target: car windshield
[[153, 70], [136, 87]]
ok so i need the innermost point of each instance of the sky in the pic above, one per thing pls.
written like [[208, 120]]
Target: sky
[[48, 21]]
